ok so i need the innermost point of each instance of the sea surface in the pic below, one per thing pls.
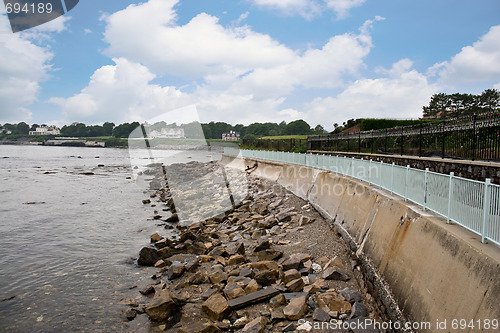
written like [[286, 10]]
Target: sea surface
[[69, 232]]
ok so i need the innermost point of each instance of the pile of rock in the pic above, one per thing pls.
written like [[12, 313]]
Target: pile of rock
[[241, 272]]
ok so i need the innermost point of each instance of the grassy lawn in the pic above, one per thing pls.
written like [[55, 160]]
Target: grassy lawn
[[279, 137]]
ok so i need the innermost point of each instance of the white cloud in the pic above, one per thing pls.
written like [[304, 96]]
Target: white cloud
[[478, 63], [310, 8], [240, 76], [199, 48], [23, 66], [399, 95], [342, 7], [121, 92]]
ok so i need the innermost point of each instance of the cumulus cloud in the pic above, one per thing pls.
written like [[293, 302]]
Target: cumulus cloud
[[400, 94], [121, 92], [310, 8], [237, 75], [201, 47], [476, 63], [24, 64]]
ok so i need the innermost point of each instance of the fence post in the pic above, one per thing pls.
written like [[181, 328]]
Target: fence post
[[474, 137], [369, 172], [450, 193], [359, 141], [352, 167], [406, 182], [371, 150], [392, 177], [425, 188], [486, 210], [402, 140], [386, 140], [442, 149], [420, 141]]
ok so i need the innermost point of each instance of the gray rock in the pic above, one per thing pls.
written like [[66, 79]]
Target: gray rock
[[358, 310], [320, 315]]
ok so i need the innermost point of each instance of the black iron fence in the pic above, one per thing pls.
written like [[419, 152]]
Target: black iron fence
[[475, 137], [290, 145]]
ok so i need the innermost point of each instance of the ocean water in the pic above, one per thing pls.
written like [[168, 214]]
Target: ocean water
[[68, 237]]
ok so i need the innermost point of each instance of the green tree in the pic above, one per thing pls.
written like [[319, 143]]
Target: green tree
[[297, 127], [319, 129], [108, 128], [22, 128]]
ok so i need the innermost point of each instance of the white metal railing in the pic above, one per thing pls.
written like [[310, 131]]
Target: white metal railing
[[472, 204]]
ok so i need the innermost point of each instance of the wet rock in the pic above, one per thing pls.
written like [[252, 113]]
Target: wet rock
[[160, 263], [320, 315], [296, 309], [175, 270], [216, 307], [334, 273], [161, 307], [148, 291], [258, 325], [130, 314], [148, 257]]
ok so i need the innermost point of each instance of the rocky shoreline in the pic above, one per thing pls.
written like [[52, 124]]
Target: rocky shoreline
[[270, 263]]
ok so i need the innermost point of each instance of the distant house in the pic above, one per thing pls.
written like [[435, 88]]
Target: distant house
[[231, 136], [170, 133], [45, 130]]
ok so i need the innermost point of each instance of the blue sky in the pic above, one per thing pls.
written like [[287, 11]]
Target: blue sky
[[245, 61]]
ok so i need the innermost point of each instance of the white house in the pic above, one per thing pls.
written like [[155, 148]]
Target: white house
[[45, 130], [171, 133], [231, 136]]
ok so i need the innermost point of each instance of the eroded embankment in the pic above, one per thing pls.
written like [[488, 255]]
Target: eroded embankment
[[271, 263], [438, 275]]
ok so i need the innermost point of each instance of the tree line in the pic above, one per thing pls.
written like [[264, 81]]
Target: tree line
[[211, 130], [451, 105]]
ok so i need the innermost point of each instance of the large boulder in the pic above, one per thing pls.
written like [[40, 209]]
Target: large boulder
[[216, 307], [296, 309], [148, 257], [162, 306]]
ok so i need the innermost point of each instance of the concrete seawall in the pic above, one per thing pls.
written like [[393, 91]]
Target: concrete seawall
[[432, 270]]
